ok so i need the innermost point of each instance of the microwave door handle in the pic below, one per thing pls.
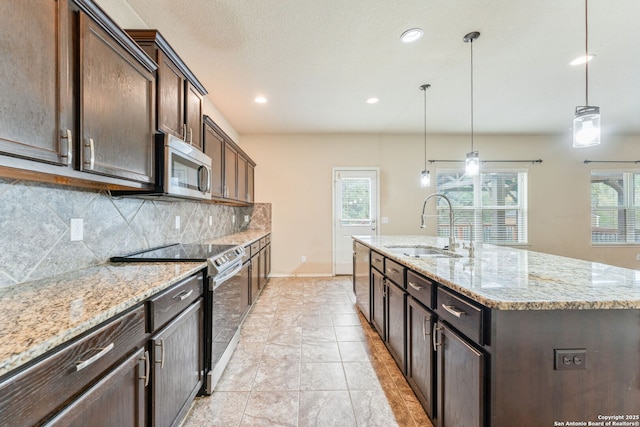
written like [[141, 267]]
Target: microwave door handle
[[203, 179]]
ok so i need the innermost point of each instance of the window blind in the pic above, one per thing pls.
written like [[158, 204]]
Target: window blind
[[491, 207], [615, 207]]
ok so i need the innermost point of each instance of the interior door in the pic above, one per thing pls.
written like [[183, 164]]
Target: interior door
[[355, 212]]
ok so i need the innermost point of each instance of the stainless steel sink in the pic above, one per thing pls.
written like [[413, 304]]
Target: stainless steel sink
[[420, 251]]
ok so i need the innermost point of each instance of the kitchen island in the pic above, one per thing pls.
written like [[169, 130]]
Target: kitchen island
[[508, 337]]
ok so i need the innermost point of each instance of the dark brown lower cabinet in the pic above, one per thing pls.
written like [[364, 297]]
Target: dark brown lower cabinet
[[378, 302], [395, 319], [460, 380], [119, 399], [420, 356], [177, 352], [255, 278]]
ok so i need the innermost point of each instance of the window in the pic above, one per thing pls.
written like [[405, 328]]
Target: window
[[615, 207], [356, 200], [492, 206]]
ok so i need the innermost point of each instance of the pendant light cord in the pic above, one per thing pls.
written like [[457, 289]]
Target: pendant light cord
[[425, 127], [586, 51], [471, 41]]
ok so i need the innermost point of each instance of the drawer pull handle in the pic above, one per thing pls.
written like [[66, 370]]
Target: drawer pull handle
[[434, 336], [147, 368], [161, 361], [452, 309], [393, 270], [84, 363], [183, 295], [414, 286]]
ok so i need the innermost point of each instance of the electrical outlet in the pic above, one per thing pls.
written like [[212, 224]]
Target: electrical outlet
[[385, 220], [246, 218], [233, 219], [177, 222], [210, 220], [76, 229], [637, 257], [570, 359], [303, 258]]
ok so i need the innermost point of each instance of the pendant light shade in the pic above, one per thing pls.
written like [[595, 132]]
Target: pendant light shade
[[425, 176], [586, 123], [472, 162]]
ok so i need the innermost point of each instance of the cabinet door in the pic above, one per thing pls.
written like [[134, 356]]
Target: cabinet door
[[361, 279], [242, 179], [255, 277], [118, 399], [378, 302], [396, 323], [250, 183], [193, 115], [214, 148], [171, 85], [177, 354], [116, 107], [420, 354], [460, 379], [230, 172], [35, 81]]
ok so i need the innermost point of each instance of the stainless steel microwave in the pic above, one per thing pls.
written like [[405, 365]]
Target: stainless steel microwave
[[186, 171]]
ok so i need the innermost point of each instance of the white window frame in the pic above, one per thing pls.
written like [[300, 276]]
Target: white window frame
[[628, 206], [478, 227]]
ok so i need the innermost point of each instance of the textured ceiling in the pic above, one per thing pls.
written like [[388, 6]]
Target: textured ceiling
[[317, 61]]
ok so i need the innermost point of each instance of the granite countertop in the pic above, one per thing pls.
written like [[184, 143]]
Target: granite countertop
[[505, 278], [38, 316]]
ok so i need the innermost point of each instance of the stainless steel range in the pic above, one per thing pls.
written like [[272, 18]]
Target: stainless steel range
[[226, 297]]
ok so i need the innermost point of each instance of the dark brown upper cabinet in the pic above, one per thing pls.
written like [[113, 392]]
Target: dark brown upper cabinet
[[180, 94], [232, 169], [116, 108], [35, 109], [78, 97]]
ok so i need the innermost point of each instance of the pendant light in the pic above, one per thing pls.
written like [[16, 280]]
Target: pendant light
[[472, 162], [425, 176], [586, 123]]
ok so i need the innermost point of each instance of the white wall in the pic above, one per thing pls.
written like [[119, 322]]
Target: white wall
[[294, 174]]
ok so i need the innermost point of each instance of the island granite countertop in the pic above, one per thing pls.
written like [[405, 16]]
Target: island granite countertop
[[506, 278], [38, 316]]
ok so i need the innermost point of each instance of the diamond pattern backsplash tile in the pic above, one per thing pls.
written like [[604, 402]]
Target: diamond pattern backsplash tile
[[35, 235]]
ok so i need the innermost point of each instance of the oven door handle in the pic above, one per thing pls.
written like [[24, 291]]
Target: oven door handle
[[219, 279]]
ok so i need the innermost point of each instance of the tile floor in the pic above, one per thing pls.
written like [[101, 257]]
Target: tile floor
[[307, 358]]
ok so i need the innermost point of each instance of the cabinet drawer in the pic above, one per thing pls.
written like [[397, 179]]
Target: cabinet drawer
[[420, 288], [255, 248], [29, 396], [377, 261], [395, 272], [166, 305], [462, 315]]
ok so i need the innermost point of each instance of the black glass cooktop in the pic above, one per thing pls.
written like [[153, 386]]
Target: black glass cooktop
[[176, 252]]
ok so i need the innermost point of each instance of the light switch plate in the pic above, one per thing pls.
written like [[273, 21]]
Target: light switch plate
[[210, 220], [76, 229], [177, 222], [385, 220]]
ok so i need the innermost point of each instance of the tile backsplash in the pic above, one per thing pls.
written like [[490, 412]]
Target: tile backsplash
[[35, 227]]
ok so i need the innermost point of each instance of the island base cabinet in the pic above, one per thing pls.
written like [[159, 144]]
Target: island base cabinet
[[177, 366], [395, 340], [420, 358], [460, 380], [116, 400], [527, 383], [378, 302]]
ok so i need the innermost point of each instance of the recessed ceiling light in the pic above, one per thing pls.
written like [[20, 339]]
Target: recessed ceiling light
[[582, 59], [411, 35], [260, 99], [372, 100]]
